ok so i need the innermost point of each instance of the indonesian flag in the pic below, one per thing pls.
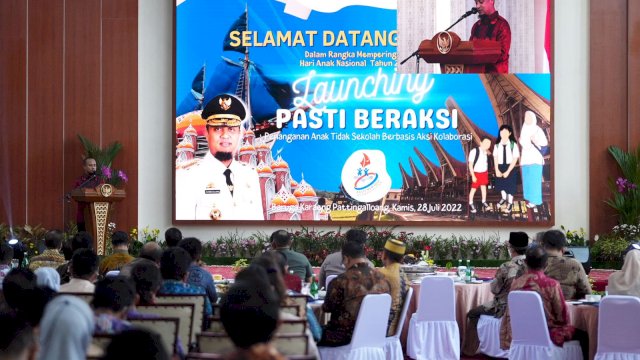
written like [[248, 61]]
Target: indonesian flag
[[302, 8], [547, 33]]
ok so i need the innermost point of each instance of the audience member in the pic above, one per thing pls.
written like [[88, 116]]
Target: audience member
[[627, 281], [250, 300], [346, 293], [174, 266], [291, 281], [568, 271], [66, 329], [48, 277], [136, 344], [19, 289], [17, 339], [82, 240], [6, 255], [84, 272], [197, 275], [398, 282], [298, 263], [332, 264], [500, 287], [51, 257], [150, 254], [553, 303], [111, 300], [120, 256], [172, 237]]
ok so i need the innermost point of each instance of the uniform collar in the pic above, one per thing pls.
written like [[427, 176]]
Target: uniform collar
[[219, 166]]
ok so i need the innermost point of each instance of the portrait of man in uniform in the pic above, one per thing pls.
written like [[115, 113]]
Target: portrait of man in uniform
[[218, 187]]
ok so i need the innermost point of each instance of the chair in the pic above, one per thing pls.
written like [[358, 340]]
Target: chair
[[197, 323], [301, 302], [292, 327], [207, 356], [219, 344], [618, 324], [184, 312], [530, 334], [328, 281], [215, 325], [98, 345], [433, 330], [489, 336], [393, 347], [291, 309], [288, 345], [367, 342], [88, 297], [167, 328]]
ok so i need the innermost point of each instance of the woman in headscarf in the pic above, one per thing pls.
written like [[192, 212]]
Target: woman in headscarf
[[66, 328], [626, 281], [532, 139], [48, 277]]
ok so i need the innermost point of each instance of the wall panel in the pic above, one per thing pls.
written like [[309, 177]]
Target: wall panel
[[13, 100]]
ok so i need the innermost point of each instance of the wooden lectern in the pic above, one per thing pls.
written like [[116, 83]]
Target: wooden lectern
[[459, 57], [96, 215]]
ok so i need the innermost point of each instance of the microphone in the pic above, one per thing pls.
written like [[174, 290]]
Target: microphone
[[465, 15]]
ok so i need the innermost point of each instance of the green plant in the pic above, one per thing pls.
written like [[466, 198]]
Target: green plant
[[575, 237], [240, 264], [609, 248], [625, 193], [103, 156]]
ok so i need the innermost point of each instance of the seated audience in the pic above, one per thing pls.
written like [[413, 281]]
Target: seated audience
[[568, 271], [17, 339], [500, 286], [268, 261], [174, 266], [398, 281], [332, 264], [24, 297], [197, 275], [298, 263], [120, 256], [51, 257], [82, 240], [6, 255], [553, 303], [251, 300], [84, 272], [150, 253], [136, 344], [66, 329], [291, 281], [346, 292], [111, 300], [627, 280], [172, 237], [48, 277]]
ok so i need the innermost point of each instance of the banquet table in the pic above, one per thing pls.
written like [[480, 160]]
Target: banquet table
[[585, 317], [468, 296]]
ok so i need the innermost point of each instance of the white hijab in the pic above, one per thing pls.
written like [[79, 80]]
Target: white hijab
[[626, 281], [66, 329], [531, 135], [48, 277]]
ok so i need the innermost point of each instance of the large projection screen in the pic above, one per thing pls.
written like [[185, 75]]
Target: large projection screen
[[363, 112]]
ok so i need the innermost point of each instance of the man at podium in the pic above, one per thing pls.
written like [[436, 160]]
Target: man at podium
[[89, 179], [492, 26]]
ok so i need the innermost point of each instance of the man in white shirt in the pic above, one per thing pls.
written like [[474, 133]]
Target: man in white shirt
[[84, 272], [217, 187], [479, 171]]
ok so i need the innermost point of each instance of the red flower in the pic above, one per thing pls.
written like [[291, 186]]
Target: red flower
[[427, 248]]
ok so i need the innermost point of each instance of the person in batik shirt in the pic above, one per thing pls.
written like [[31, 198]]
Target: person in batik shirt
[[555, 308], [492, 26], [346, 293]]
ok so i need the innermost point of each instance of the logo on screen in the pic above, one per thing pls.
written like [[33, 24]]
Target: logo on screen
[[365, 177]]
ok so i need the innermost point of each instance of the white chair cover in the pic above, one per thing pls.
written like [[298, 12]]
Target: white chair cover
[[618, 326], [530, 335], [329, 280], [369, 333], [393, 347], [433, 330], [489, 335]]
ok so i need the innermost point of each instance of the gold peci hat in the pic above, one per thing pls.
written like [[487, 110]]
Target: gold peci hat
[[224, 110], [395, 246]]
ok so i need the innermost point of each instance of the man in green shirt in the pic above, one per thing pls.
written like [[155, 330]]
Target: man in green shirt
[[298, 263]]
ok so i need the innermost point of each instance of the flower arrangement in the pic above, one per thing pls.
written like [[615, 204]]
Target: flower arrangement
[[628, 232], [575, 237], [239, 265], [624, 190], [112, 176]]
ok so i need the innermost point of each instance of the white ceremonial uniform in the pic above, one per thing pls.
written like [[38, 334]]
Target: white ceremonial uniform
[[201, 190]]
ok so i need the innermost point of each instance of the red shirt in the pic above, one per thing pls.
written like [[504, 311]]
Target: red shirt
[[82, 180], [494, 27]]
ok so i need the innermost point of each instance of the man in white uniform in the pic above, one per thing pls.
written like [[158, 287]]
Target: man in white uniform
[[218, 187]]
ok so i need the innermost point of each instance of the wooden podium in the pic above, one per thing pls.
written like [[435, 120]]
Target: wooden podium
[[459, 57], [96, 214]]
